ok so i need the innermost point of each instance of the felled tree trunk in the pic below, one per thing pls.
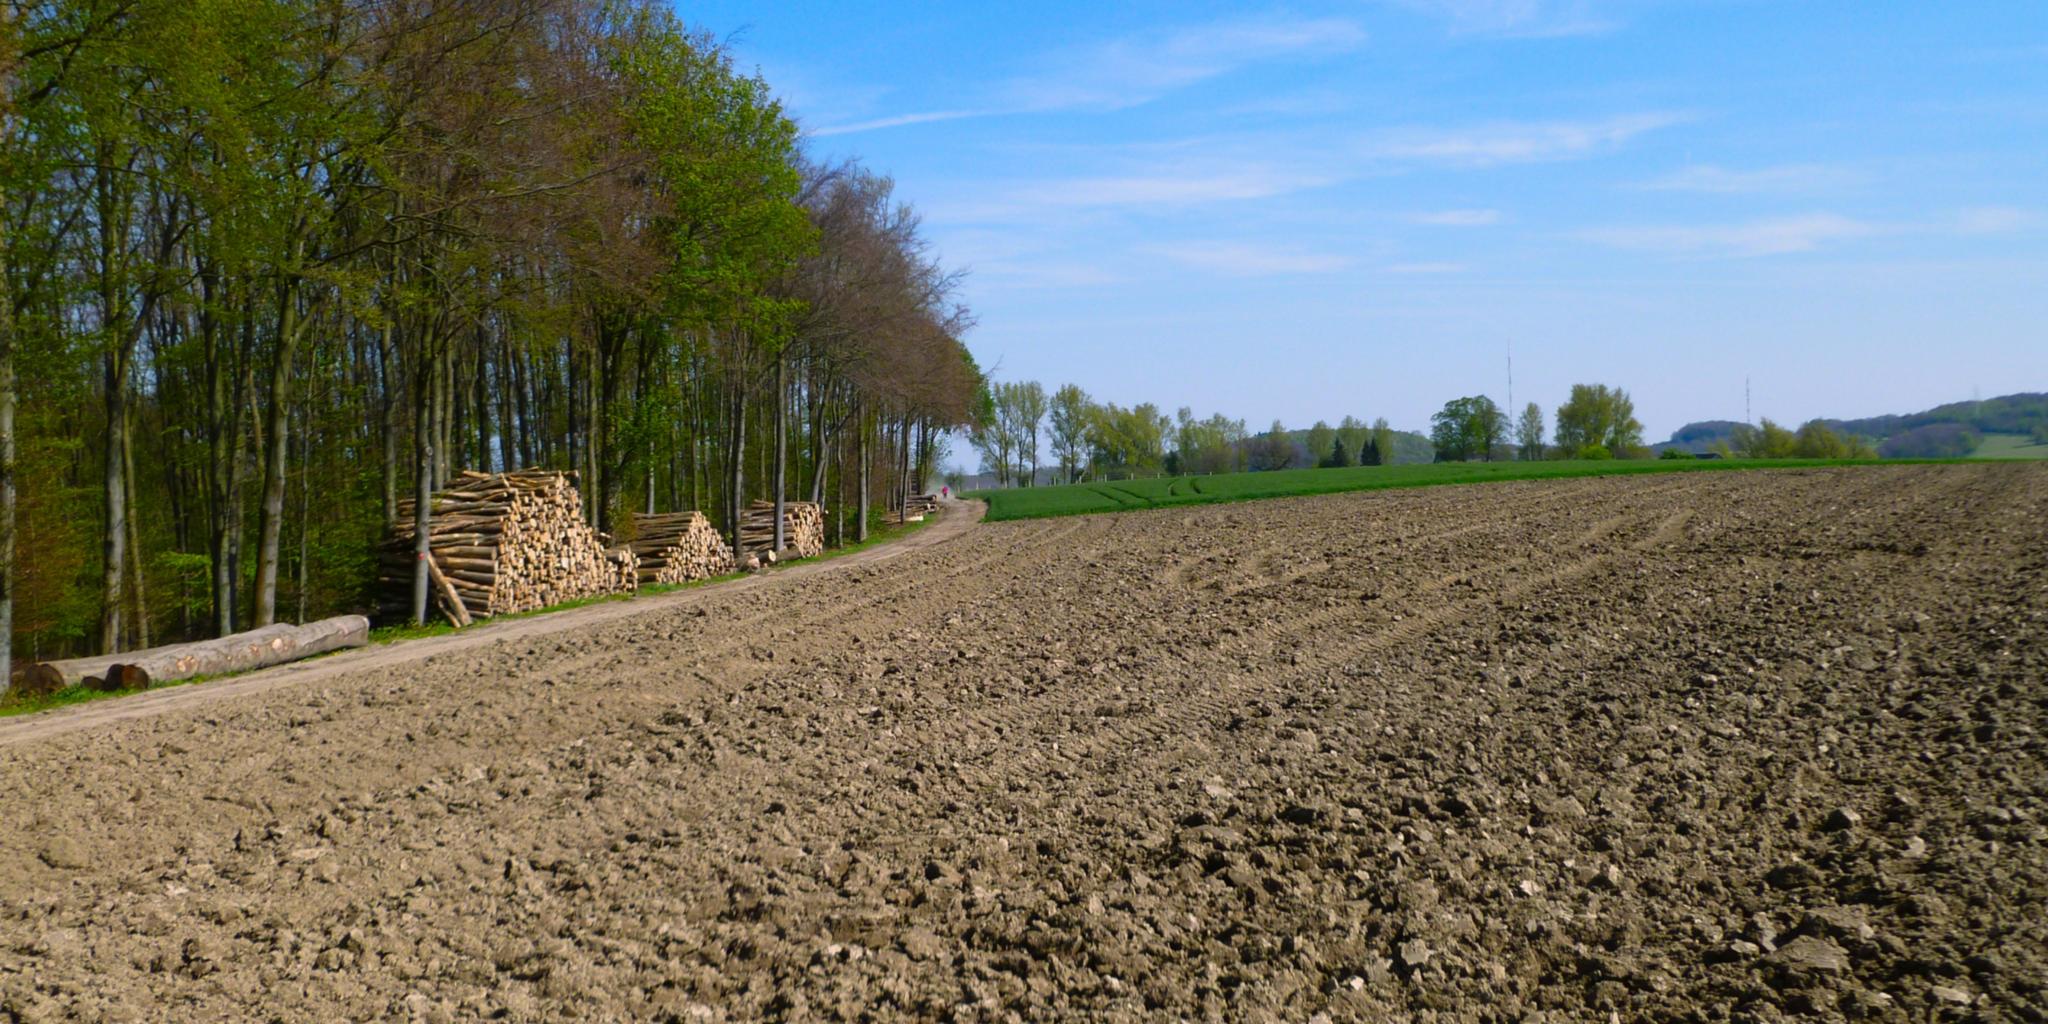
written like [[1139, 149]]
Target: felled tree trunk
[[240, 652]]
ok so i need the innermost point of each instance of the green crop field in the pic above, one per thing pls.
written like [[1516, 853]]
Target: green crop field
[[2010, 446], [1163, 492]]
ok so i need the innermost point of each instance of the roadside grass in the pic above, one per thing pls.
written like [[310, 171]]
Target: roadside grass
[[12, 704], [15, 704], [1167, 492], [2010, 446]]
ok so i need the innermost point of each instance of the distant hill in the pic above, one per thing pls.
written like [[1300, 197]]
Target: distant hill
[[1957, 428]]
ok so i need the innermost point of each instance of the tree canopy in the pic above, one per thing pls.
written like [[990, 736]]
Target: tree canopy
[[271, 264]]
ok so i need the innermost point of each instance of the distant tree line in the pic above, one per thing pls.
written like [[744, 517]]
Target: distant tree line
[[266, 266], [1814, 439], [1024, 436], [1595, 422]]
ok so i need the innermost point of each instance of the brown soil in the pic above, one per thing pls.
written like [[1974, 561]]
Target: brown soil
[[1711, 746]]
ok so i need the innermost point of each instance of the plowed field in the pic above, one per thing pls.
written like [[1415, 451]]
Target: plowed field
[[1703, 746]]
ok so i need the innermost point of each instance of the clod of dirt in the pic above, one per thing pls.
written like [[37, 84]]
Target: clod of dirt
[[1809, 955], [65, 854]]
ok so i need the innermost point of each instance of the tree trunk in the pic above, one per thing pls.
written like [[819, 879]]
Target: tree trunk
[[423, 489], [7, 322], [139, 630], [6, 445], [508, 458], [114, 545], [735, 502], [781, 449], [387, 409], [271, 525], [861, 460]]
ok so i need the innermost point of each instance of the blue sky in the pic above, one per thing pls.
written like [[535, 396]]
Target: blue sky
[[1308, 210]]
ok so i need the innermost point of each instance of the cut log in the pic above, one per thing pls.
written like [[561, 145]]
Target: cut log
[[244, 651], [257, 648], [37, 679]]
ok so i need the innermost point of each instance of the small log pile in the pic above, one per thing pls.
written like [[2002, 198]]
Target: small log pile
[[803, 531], [503, 543], [918, 507], [677, 547]]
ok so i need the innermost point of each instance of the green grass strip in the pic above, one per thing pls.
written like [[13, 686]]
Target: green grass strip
[[1125, 496]]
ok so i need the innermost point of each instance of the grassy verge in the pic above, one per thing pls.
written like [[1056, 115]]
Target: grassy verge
[[12, 704], [15, 704], [1166, 492]]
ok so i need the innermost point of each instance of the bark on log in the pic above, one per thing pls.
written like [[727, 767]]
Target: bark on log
[[258, 648]]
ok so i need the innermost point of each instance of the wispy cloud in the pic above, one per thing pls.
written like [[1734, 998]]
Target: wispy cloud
[[1426, 268], [1783, 178], [1768, 237], [1243, 259], [1995, 220], [1521, 142], [1128, 72], [895, 122], [1457, 218], [1523, 18], [1045, 274], [1807, 232], [1168, 189]]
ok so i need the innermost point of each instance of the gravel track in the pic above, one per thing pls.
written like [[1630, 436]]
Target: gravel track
[[1740, 746]]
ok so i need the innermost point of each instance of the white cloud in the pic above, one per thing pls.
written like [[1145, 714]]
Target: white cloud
[[1240, 259], [1457, 218], [1167, 189], [1524, 18], [1128, 72], [895, 122], [1783, 178], [1521, 142], [1044, 274], [1994, 220], [1769, 237]]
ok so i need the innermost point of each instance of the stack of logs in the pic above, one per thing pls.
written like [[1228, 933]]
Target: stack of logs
[[918, 507], [803, 531], [501, 543], [677, 547]]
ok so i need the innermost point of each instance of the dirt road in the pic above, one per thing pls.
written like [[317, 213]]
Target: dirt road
[[1742, 745], [961, 516]]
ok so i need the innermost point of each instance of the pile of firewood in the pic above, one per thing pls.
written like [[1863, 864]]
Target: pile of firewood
[[918, 507], [803, 531], [676, 547], [501, 543]]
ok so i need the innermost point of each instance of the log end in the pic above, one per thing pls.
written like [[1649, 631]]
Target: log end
[[118, 678], [36, 679]]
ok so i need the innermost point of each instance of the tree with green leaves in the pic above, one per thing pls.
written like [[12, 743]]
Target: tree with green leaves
[[1529, 433], [1467, 428], [256, 250], [1069, 416], [1382, 444], [1321, 437], [1599, 416]]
